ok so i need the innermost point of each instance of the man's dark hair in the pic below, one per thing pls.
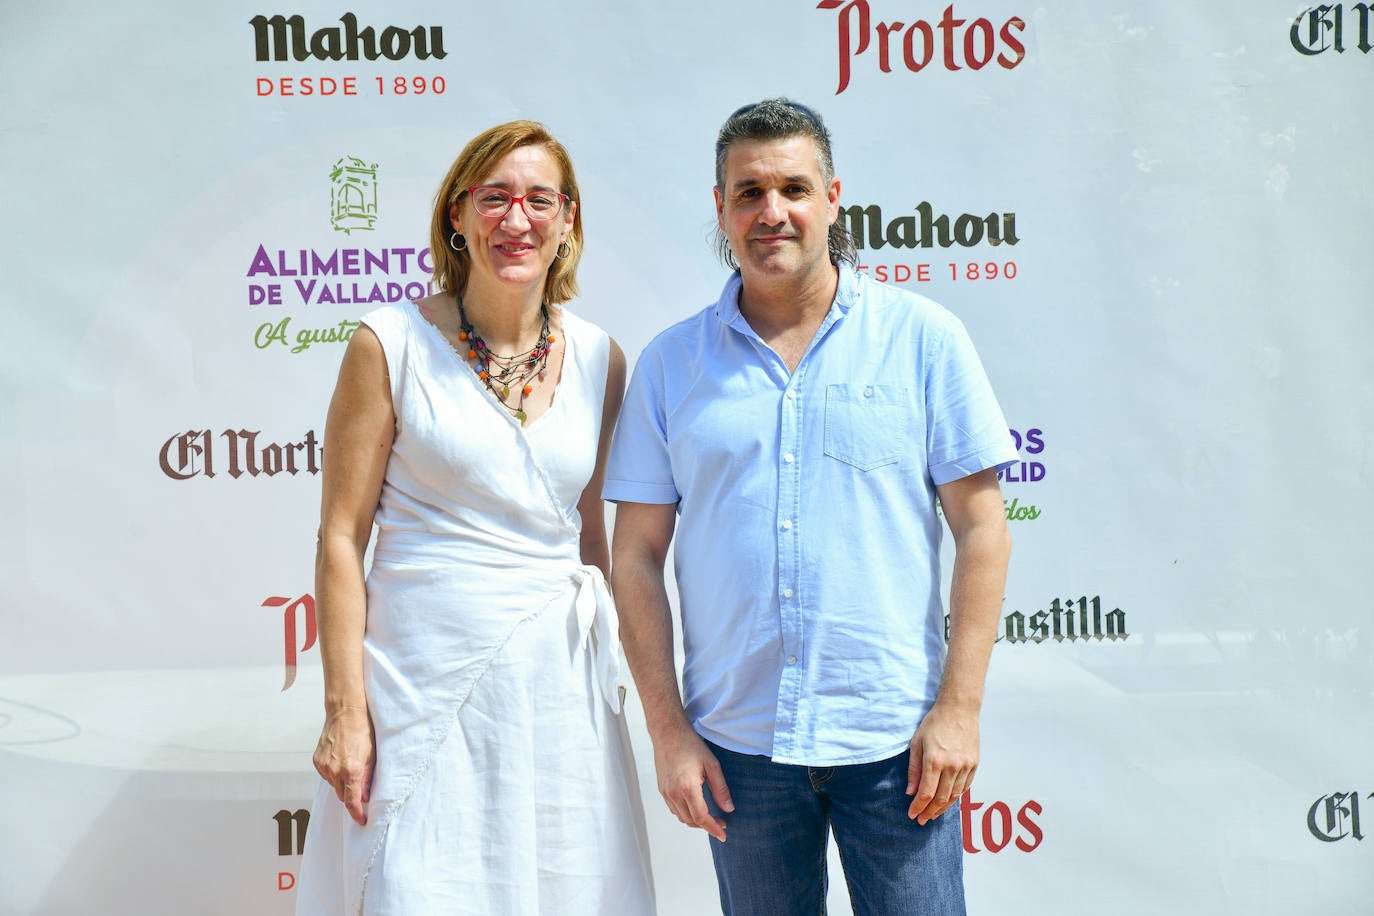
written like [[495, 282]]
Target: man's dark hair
[[780, 119]]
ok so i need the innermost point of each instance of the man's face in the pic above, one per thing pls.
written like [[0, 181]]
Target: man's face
[[775, 208]]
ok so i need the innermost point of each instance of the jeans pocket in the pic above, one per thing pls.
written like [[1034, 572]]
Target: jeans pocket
[[865, 425]]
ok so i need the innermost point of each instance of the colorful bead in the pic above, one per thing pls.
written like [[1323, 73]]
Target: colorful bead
[[508, 371]]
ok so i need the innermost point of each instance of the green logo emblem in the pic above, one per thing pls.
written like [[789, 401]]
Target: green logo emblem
[[352, 195]]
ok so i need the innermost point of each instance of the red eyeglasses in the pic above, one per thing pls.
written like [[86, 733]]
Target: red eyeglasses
[[538, 205]]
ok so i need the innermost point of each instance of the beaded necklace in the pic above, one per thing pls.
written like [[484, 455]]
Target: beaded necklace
[[502, 373]]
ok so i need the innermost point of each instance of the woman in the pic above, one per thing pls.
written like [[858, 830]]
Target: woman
[[474, 755]]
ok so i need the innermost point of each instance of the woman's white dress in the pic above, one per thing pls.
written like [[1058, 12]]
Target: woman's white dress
[[504, 781]]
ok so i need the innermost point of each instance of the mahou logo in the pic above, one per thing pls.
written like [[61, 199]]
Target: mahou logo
[[994, 824], [1322, 28], [1336, 817], [927, 229], [960, 43], [291, 828], [285, 38], [202, 453]]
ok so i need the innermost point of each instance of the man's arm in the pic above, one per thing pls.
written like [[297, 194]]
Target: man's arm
[[681, 759], [944, 750]]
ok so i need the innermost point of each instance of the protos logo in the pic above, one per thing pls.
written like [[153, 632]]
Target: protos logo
[[995, 826], [1336, 817], [283, 38], [961, 43], [302, 609], [1322, 28]]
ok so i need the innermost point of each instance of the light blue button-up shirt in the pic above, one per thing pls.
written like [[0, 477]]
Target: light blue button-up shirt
[[807, 543]]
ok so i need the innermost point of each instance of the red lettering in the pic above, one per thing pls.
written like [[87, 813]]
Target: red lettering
[[927, 46], [307, 85], [975, 51], [1018, 49], [307, 604], [884, 30], [285, 880], [995, 825], [947, 26], [974, 60], [1031, 826], [1004, 813], [966, 808], [896, 273], [860, 8]]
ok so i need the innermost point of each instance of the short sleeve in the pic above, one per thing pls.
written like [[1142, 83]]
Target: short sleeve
[[966, 431], [640, 469]]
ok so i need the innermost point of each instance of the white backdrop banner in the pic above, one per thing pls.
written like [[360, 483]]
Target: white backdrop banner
[[1154, 219]]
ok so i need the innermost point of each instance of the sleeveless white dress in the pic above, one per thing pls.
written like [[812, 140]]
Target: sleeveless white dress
[[504, 781]]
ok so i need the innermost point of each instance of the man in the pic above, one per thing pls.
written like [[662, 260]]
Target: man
[[802, 428]]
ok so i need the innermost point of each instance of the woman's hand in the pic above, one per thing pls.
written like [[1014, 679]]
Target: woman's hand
[[345, 756]]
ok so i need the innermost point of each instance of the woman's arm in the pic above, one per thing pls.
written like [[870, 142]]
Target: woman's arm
[[357, 444], [595, 550]]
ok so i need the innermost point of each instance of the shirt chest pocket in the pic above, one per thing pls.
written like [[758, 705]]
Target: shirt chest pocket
[[865, 425]]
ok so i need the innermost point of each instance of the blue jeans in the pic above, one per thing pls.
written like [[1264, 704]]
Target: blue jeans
[[773, 859]]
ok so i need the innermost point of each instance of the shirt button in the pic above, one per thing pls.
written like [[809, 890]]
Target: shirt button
[[787, 593], [868, 392], [789, 458], [787, 524], [791, 659], [791, 395]]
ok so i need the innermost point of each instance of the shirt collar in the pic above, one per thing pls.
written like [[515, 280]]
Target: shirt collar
[[846, 297], [727, 306]]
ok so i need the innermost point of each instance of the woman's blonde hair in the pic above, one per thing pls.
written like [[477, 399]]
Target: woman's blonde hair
[[477, 160]]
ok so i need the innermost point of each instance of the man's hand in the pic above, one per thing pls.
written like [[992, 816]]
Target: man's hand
[[944, 757], [944, 750], [683, 762], [681, 759]]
